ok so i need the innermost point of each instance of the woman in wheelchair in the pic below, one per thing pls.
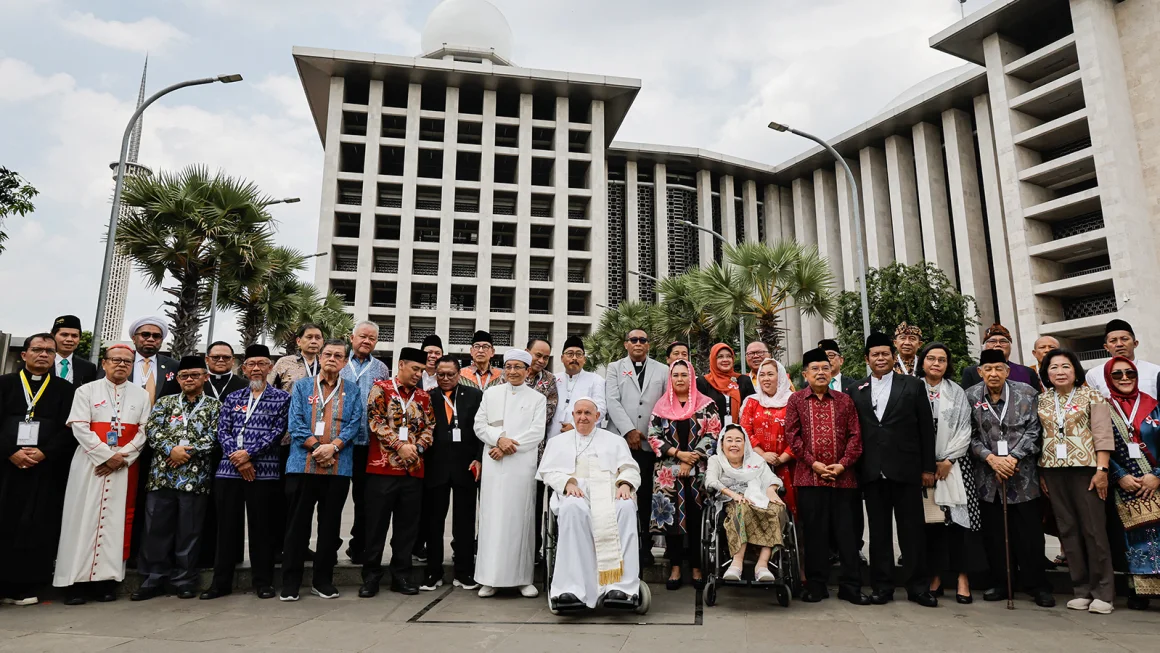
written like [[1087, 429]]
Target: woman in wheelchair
[[754, 514]]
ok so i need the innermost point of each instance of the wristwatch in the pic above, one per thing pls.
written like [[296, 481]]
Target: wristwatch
[[1102, 469], [315, 447]]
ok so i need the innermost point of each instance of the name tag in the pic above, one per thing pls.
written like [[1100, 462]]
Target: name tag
[[319, 428], [183, 442], [28, 434], [1061, 450], [403, 433], [1002, 446], [456, 434], [241, 442], [112, 437], [1134, 450]]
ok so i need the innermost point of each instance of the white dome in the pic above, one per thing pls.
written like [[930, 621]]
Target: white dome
[[469, 24], [927, 85]]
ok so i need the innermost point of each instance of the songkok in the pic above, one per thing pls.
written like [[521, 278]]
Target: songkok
[[573, 341], [155, 321], [413, 355], [590, 400], [257, 351], [814, 356], [830, 345], [481, 336], [120, 345], [520, 355], [905, 329], [191, 363], [996, 329], [66, 322], [432, 340], [1119, 325], [878, 339], [992, 356]]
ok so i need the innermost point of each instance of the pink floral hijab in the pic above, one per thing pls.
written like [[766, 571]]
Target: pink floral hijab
[[668, 407]]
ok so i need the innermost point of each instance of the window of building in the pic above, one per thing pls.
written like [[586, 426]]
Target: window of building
[[543, 107], [506, 169], [352, 157], [463, 264], [577, 302], [471, 100], [466, 199], [343, 288], [356, 91], [578, 141], [503, 267], [425, 263], [386, 261], [386, 328], [470, 133], [394, 126], [426, 230], [424, 296], [346, 225], [542, 205], [540, 331], [344, 259], [577, 271], [543, 138], [431, 129], [428, 198], [580, 110], [350, 192], [463, 298], [460, 332], [419, 328], [540, 269], [466, 232], [431, 164], [433, 98], [387, 227], [503, 234], [467, 165], [540, 301], [507, 135], [542, 171], [578, 208], [383, 294], [503, 300], [354, 123], [578, 238], [390, 196], [395, 93], [503, 203], [391, 160], [507, 104], [541, 236], [578, 174]]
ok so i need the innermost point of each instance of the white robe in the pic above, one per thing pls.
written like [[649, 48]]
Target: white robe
[[507, 495], [93, 530], [576, 570], [570, 390]]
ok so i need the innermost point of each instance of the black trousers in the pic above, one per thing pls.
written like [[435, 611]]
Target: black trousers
[[251, 501], [822, 511], [647, 461], [303, 493], [461, 499], [358, 481], [400, 497], [1025, 521], [172, 538], [279, 510], [887, 499], [681, 549]]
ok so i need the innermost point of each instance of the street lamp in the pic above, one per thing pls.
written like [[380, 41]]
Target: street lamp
[[214, 295], [775, 126], [740, 318], [111, 240]]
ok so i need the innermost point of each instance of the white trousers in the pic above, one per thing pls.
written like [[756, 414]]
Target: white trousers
[[575, 570]]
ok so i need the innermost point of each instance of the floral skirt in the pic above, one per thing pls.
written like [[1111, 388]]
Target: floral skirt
[[748, 524]]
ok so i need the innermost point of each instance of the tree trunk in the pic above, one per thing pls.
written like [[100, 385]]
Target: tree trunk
[[251, 324], [185, 315], [769, 333]]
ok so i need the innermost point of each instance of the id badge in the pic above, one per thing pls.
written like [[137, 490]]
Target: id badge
[[183, 442], [319, 428], [403, 433], [1134, 451], [1002, 447], [28, 434], [112, 437], [241, 442], [1061, 451], [456, 434]]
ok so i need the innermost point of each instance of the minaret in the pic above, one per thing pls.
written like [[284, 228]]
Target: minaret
[[119, 274]]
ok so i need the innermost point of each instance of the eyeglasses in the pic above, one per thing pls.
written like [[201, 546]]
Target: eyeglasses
[[638, 341], [42, 350], [1124, 374], [120, 361], [572, 354], [339, 355], [997, 341], [189, 376], [221, 358], [480, 346], [757, 352], [149, 335], [256, 364], [446, 375]]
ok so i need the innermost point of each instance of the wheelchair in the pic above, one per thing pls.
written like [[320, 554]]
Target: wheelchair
[[715, 557], [638, 604]]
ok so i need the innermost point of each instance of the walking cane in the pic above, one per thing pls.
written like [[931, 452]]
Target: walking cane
[[1007, 547]]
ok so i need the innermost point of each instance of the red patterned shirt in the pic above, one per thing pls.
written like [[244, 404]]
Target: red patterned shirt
[[823, 430], [389, 408]]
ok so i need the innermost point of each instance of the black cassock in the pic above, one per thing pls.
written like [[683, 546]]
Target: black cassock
[[32, 500]]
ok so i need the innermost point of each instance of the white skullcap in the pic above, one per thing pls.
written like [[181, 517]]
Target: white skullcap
[[520, 355], [155, 321], [590, 400]]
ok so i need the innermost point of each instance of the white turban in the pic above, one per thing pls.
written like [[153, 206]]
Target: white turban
[[155, 321], [517, 355]]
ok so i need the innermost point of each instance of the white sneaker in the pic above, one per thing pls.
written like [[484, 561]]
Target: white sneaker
[[529, 591], [765, 576], [466, 583], [1100, 607], [31, 600], [486, 591], [1079, 604], [732, 573], [328, 593]]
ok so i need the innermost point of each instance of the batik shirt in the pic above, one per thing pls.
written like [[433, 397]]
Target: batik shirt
[[470, 376], [1018, 408], [260, 436], [389, 408], [824, 430], [545, 384], [176, 421]]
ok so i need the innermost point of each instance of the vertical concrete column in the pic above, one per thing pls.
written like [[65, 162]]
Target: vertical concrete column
[[661, 218], [967, 213], [937, 243], [876, 200], [749, 203], [407, 221], [331, 152], [793, 319], [486, 217], [705, 217], [828, 221], [994, 211], [772, 216], [728, 209], [806, 227], [851, 273], [447, 212], [524, 221], [598, 210], [560, 236], [903, 200], [631, 232]]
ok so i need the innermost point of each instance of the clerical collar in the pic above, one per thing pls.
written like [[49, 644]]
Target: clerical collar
[[35, 377]]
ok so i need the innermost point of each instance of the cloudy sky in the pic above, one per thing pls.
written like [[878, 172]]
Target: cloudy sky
[[713, 74]]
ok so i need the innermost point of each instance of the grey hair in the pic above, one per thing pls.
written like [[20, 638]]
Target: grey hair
[[363, 324]]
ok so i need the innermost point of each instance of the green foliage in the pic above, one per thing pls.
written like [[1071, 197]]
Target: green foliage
[[920, 295], [309, 305], [85, 347], [268, 298], [606, 343], [15, 199]]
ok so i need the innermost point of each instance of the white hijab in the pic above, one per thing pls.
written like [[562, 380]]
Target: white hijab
[[753, 468], [779, 398]]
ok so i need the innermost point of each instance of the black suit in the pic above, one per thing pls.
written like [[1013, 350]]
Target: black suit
[[896, 452], [447, 473], [848, 384], [744, 387], [82, 370]]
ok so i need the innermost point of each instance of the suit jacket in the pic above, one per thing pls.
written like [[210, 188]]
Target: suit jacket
[[744, 387], [166, 384], [447, 461], [630, 406], [1020, 373], [83, 371], [848, 384], [901, 446]]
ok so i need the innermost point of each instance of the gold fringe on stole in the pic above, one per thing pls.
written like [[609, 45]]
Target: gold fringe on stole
[[610, 576]]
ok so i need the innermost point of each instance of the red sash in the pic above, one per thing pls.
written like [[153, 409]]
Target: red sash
[[128, 432]]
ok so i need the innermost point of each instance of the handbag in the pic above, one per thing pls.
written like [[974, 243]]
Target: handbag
[[931, 511]]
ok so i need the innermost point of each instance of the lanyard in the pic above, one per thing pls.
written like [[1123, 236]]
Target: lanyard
[[217, 393], [905, 371], [197, 407], [311, 368], [1061, 415], [318, 393], [406, 404], [478, 379], [570, 385], [251, 404], [1006, 403], [357, 373], [454, 401], [31, 400], [115, 406], [1129, 419]]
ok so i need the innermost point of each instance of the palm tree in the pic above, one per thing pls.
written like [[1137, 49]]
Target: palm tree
[[308, 306], [606, 343], [762, 282], [681, 316], [189, 225], [267, 299]]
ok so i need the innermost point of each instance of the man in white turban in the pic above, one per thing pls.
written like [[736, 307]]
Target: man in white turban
[[593, 478], [510, 422]]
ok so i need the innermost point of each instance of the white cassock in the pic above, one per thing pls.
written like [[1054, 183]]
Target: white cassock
[[571, 389], [98, 510], [507, 496], [596, 547]]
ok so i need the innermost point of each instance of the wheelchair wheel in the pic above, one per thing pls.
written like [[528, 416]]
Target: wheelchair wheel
[[793, 568], [710, 593], [783, 596], [549, 552], [645, 599]]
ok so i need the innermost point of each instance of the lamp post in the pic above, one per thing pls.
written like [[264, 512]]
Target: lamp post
[[740, 318], [214, 294], [857, 217], [111, 239]]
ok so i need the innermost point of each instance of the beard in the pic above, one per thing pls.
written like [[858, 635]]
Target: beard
[[257, 384]]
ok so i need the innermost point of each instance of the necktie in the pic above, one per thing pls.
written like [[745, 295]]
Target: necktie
[[150, 382], [64, 369], [447, 405], [834, 383]]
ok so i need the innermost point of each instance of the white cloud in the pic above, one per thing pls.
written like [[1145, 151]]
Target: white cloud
[[145, 35], [19, 82]]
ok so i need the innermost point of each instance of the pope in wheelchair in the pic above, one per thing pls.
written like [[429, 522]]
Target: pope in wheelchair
[[591, 545]]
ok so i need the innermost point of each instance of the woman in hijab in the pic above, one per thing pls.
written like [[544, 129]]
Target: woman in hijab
[[1136, 477], [955, 546], [683, 434], [754, 513], [763, 418], [725, 387]]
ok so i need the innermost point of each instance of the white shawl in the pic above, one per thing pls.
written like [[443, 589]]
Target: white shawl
[[754, 473], [952, 439]]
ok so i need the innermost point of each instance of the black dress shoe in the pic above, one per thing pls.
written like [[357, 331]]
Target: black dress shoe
[[995, 594], [188, 593], [674, 583], [925, 599], [108, 596], [266, 592], [404, 586], [568, 601], [213, 593], [1044, 599], [75, 600], [368, 589], [146, 593], [615, 595], [881, 597], [813, 597], [938, 594], [964, 599], [857, 598], [699, 583], [1138, 603]]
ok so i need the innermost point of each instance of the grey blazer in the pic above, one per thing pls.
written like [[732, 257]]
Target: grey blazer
[[630, 407]]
